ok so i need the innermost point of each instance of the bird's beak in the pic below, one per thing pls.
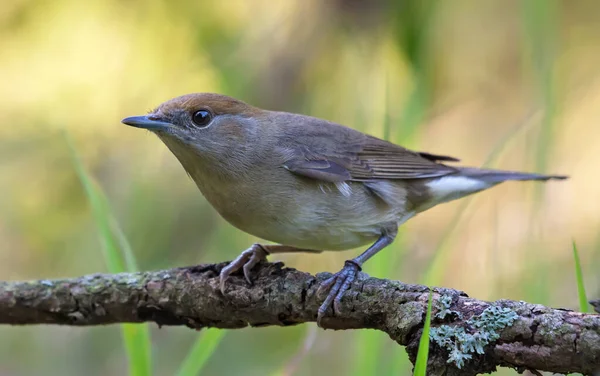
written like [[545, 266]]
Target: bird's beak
[[146, 123]]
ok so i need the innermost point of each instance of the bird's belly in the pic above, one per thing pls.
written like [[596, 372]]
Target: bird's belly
[[305, 214], [326, 236], [320, 220]]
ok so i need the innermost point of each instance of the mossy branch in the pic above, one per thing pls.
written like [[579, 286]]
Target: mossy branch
[[468, 336]]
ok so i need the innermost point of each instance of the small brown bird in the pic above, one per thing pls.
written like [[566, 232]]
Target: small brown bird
[[305, 183]]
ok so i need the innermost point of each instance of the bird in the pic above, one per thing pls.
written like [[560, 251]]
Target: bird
[[307, 184]]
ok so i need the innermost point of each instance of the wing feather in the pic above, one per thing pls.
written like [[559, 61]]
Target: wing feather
[[330, 152]]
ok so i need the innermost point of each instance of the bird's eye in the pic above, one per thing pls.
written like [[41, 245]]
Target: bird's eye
[[201, 118]]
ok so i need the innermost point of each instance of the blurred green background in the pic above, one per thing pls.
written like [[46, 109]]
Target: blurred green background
[[514, 84]]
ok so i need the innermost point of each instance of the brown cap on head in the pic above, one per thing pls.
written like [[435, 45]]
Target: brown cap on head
[[217, 103], [185, 108]]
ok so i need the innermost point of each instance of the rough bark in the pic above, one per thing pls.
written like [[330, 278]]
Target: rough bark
[[516, 334]]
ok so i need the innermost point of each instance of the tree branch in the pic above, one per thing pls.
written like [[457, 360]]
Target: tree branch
[[478, 336]]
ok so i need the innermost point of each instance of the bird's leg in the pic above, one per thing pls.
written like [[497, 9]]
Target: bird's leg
[[252, 256], [341, 281]]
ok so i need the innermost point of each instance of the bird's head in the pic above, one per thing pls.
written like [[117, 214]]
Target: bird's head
[[205, 128]]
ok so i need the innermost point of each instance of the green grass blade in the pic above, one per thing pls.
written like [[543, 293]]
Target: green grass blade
[[583, 302], [130, 262], [423, 354], [138, 346], [110, 250], [200, 352], [541, 24], [136, 337]]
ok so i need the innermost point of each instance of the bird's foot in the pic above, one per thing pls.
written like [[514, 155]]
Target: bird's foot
[[337, 285], [246, 261]]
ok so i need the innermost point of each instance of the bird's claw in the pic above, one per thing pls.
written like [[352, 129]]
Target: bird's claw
[[245, 261], [337, 285]]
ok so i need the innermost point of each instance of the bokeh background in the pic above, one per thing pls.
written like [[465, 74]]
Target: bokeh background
[[511, 84]]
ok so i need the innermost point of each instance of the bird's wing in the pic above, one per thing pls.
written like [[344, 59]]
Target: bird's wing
[[333, 153]]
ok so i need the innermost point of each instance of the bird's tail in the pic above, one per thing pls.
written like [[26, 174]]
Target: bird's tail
[[469, 180], [494, 177]]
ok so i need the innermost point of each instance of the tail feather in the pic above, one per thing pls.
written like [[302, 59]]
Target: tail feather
[[499, 176], [469, 180]]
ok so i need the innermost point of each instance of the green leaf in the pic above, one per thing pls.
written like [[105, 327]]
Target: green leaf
[[119, 258], [583, 302], [200, 352], [423, 354]]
